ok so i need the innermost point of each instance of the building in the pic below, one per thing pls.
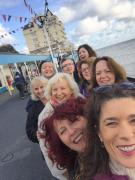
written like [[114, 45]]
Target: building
[[123, 53], [53, 30]]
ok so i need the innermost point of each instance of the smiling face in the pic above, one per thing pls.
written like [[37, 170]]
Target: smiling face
[[38, 89], [117, 130], [68, 66], [47, 69], [72, 134], [61, 91], [104, 75], [86, 71], [83, 54]]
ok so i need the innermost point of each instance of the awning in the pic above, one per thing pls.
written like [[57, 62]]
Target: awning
[[16, 58]]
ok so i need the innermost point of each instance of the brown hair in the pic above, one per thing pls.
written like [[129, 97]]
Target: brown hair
[[117, 69], [79, 65]]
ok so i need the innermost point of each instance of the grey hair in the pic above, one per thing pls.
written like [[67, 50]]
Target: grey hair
[[34, 80], [59, 76]]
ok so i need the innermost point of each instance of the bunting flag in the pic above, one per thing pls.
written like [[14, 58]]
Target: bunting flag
[[29, 7], [4, 17], [7, 18], [11, 32], [21, 19], [25, 2]]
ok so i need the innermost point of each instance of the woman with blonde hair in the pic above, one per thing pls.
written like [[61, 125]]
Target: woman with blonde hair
[[38, 85], [60, 88]]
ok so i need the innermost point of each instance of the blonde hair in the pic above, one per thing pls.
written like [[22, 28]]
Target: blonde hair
[[34, 81], [59, 76]]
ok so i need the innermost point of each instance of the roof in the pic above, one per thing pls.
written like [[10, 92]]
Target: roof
[[16, 58]]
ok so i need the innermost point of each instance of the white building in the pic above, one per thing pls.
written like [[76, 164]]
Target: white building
[[36, 38]]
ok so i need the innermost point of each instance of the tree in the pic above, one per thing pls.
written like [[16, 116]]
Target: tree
[[8, 49]]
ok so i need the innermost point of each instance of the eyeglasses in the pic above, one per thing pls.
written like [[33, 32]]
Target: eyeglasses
[[85, 69], [108, 88], [66, 65]]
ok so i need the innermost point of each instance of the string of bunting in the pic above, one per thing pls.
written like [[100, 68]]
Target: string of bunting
[[7, 18], [11, 32], [30, 24], [29, 8]]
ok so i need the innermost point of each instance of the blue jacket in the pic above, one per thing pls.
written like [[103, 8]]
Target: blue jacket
[[19, 79]]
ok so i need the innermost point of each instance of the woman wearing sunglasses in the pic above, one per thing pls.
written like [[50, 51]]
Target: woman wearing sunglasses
[[110, 154]]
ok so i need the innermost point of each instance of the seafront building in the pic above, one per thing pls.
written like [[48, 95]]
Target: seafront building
[[53, 31]]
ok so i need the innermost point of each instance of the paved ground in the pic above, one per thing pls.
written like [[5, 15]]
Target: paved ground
[[20, 159]]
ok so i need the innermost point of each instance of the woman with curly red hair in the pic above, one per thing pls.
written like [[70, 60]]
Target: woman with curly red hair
[[65, 134]]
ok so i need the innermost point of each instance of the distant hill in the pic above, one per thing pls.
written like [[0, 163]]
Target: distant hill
[[8, 49]]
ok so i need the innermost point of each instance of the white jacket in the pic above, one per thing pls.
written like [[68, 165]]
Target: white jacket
[[59, 174]]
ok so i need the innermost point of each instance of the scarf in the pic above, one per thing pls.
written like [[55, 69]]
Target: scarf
[[118, 169]]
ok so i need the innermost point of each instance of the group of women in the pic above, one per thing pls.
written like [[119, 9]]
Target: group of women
[[85, 128]]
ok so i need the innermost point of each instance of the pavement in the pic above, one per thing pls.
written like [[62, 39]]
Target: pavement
[[4, 97], [20, 159]]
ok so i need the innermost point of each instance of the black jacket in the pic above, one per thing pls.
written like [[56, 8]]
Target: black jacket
[[32, 119]]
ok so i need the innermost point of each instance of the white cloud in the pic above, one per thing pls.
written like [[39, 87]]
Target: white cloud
[[122, 10], [102, 7], [66, 14], [24, 50], [8, 39], [90, 25]]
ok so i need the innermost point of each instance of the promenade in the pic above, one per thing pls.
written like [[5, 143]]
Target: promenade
[[20, 159]]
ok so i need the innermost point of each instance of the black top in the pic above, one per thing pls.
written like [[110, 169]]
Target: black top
[[32, 119]]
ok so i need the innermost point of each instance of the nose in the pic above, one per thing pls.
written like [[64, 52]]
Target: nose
[[103, 75], [71, 130], [126, 131], [59, 92]]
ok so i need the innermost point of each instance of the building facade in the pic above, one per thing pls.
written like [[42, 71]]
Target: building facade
[[52, 30]]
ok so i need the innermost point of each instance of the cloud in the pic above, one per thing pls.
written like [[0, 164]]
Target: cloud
[[8, 39], [66, 14], [90, 25], [8, 3], [24, 50], [122, 10]]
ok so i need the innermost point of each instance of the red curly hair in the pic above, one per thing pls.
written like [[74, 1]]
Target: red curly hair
[[58, 152]]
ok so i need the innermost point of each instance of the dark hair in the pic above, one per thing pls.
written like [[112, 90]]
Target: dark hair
[[96, 159], [117, 69], [79, 65], [65, 59], [91, 52], [58, 152], [40, 65]]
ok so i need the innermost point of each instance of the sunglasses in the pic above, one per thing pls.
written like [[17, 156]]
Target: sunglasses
[[108, 88]]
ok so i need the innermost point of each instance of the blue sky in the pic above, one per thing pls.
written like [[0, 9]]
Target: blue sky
[[98, 23]]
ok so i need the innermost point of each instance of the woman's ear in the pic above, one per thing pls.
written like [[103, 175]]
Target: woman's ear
[[100, 137]]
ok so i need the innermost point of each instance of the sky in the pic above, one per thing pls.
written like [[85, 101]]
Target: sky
[[98, 23]]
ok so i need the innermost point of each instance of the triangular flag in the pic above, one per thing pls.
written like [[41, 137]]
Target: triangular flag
[[9, 17], [25, 3], [25, 19], [21, 19], [4, 17]]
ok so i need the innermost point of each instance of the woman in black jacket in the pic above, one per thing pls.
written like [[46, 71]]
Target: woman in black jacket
[[38, 102]]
